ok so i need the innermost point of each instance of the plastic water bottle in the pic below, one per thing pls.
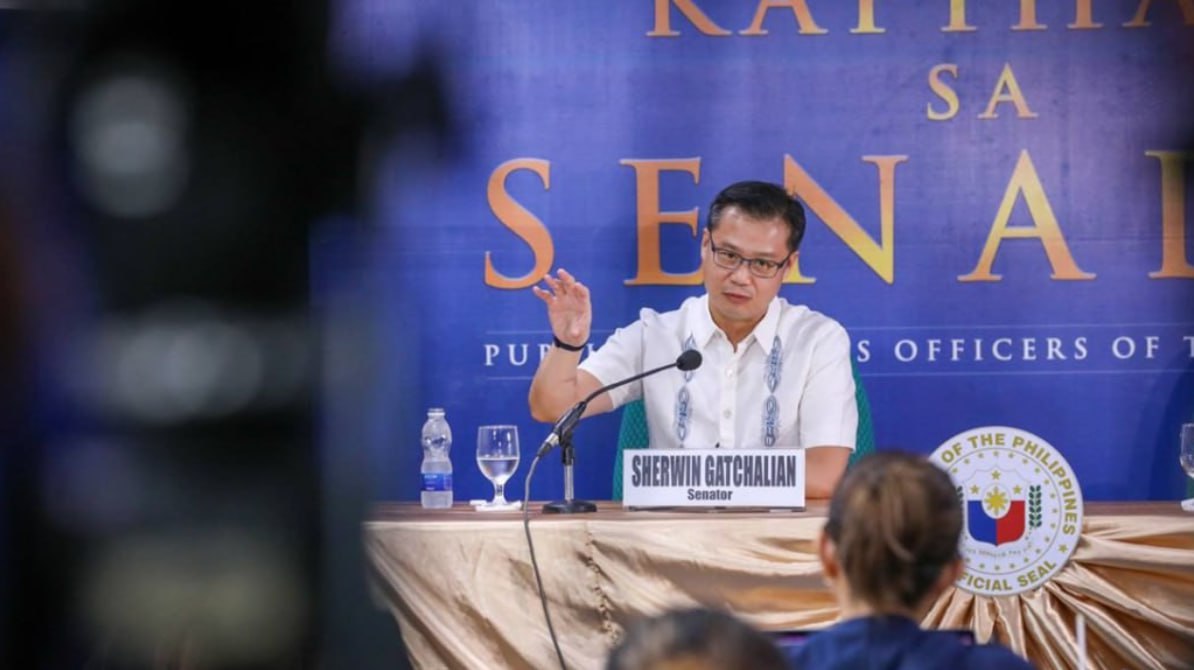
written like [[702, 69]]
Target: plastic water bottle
[[437, 466]]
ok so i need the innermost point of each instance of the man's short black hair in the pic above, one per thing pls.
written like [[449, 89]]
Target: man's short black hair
[[760, 200]]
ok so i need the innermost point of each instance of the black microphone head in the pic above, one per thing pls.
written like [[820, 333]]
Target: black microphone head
[[689, 360]]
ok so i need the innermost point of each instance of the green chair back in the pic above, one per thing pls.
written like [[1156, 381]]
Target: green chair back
[[864, 437], [633, 432]]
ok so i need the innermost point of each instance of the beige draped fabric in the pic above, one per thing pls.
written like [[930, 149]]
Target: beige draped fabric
[[460, 583]]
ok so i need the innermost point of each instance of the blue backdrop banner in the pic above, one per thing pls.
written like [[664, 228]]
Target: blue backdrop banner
[[997, 196]]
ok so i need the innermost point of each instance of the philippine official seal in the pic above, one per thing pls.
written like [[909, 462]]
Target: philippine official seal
[[1021, 503]]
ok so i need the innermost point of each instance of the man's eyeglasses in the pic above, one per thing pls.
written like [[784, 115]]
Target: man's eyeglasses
[[759, 267]]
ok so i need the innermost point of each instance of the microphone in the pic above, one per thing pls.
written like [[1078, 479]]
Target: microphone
[[689, 360]]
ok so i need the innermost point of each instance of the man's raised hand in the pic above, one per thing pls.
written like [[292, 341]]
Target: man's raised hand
[[568, 307]]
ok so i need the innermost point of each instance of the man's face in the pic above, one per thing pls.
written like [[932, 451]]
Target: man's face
[[739, 298]]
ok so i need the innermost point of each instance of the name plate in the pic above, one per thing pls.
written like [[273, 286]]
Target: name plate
[[713, 478]]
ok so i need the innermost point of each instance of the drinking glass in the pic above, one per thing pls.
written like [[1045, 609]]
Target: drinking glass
[[1187, 459], [497, 456]]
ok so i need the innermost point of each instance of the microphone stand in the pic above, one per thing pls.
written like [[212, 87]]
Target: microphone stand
[[561, 435], [568, 505]]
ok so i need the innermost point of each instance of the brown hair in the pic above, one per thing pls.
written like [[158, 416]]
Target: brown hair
[[695, 639], [895, 520]]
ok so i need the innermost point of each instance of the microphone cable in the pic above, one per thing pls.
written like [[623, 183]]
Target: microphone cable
[[689, 359], [526, 526]]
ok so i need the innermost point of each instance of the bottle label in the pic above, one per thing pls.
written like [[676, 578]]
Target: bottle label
[[437, 481]]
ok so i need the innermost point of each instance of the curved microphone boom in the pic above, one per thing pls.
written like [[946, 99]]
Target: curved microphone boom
[[690, 359]]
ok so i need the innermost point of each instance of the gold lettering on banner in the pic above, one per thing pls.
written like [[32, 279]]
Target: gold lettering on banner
[[866, 19], [866, 25], [1028, 17], [957, 18], [944, 91], [880, 257], [524, 224], [649, 218], [804, 18], [1026, 183], [1174, 263], [1140, 20], [1083, 17], [1007, 80], [663, 19]]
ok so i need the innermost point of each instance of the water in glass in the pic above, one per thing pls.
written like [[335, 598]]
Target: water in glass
[[497, 456]]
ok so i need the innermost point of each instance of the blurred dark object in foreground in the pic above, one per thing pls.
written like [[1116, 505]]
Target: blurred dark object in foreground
[[165, 498]]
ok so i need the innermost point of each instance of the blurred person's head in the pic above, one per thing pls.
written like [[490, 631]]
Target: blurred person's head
[[694, 639], [890, 545]]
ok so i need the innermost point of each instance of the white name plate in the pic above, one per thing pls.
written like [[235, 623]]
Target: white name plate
[[713, 478]]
